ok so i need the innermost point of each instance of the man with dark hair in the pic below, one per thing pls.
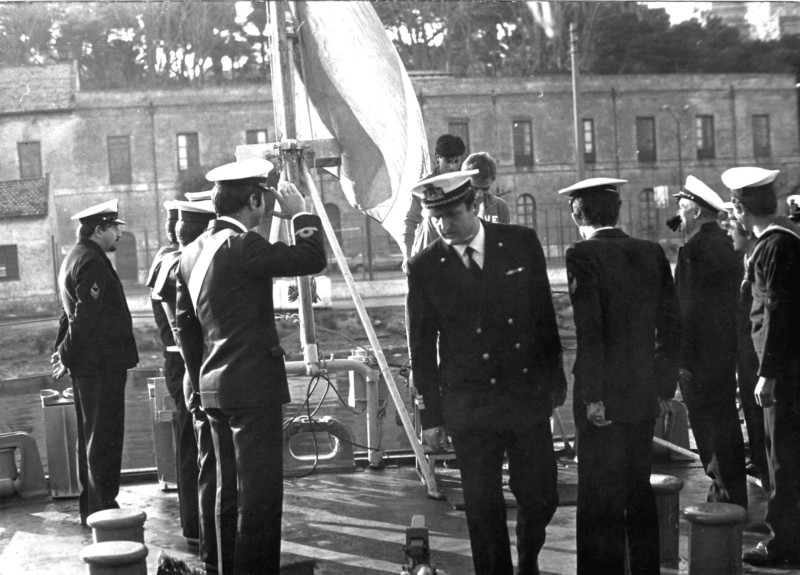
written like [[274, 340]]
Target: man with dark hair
[[628, 328], [490, 207], [234, 360], [708, 278], [419, 231], [197, 469], [774, 273], [486, 358], [95, 344]]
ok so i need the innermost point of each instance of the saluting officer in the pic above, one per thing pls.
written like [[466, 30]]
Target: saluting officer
[[774, 273], [227, 334], [628, 328], [708, 278], [197, 469], [95, 344], [486, 357]]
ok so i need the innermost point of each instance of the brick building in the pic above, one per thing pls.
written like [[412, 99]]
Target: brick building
[[136, 146]]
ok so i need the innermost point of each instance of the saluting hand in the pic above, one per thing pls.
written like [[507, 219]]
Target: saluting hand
[[765, 392]]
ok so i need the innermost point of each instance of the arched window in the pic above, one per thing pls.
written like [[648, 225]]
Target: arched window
[[526, 211]]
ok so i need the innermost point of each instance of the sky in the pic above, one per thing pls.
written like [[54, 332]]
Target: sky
[[680, 11]]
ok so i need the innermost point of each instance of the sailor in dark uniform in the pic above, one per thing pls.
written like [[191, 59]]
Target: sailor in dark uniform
[[628, 328], [228, 338], [198, 469], [95, 344], [774, 273], [708, 277], [486, 358]]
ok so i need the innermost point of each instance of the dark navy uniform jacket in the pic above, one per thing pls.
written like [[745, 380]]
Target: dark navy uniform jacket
[[774, 271], [243, 364], [162, 322], [627, 324], [95, 333], [489, 352], [708, 278]]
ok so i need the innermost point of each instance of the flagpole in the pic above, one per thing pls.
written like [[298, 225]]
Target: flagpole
[[291, 155], [576, 101]]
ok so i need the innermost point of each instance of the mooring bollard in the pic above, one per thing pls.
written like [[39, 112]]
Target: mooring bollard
[[117, 525], [667, 491], [715, 538], [115, 558]]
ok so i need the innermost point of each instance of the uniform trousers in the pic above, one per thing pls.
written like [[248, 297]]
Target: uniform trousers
[[248, 443], [185, 447], [715, 425], [783, 448], [616, 501], [533, 481], [207, 491], [100, 409], [754, 421]]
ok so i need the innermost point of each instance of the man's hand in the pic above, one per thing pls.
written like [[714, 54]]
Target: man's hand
[[289, 199], [765, 392], [435, 439], [58, 368], [663, 407], [596, 413]]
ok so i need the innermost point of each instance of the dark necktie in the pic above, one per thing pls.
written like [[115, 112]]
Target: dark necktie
[[472, 265]]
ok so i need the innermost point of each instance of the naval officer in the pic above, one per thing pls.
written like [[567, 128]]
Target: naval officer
[[195, 449], [628, 328], [95, 344], [708, 277], [486, 358], [228, 338]]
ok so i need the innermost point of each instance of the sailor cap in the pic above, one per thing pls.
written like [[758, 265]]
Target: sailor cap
[[701, 194], [201, 211], [198, 196], [748, 177], [105, 212], [443, 189], [242, 170], [593, 185], [172, 209]]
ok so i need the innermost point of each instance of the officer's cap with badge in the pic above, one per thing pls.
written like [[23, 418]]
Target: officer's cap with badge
[[749, 181], [592, 185], [200, 212], [701, 194], [437, 192], [242, 170], [172, 210], [107, 212]]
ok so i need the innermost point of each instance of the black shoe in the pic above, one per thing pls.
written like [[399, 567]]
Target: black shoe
[[761, 556]]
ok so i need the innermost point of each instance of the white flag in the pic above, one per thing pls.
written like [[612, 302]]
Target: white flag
[[358, 85]]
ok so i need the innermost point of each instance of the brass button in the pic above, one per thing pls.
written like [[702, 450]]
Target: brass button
[[493, 381], [524, 370], [511, 321], [479, 330], [518, 345], [485, 356]]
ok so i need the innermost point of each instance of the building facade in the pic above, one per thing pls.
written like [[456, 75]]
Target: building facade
[[650, 130]]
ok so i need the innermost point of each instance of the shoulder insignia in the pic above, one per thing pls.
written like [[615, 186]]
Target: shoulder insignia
[[306, 232], [94, 291]]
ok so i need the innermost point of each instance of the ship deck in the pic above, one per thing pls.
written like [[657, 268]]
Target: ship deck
[[348, 522]]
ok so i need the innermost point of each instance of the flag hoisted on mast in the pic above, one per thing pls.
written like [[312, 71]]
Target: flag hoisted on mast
[[357, 87]]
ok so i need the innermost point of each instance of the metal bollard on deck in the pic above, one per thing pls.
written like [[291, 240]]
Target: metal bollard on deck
[[667, 490], [117, 525], [115, 558], [715, 538]]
